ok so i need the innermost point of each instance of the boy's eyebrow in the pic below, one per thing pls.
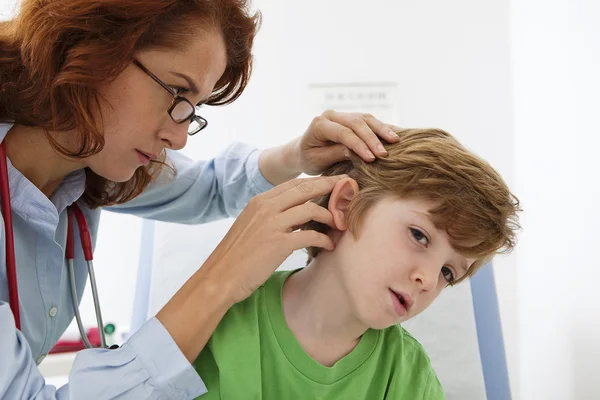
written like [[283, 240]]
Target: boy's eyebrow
[[423, 215]]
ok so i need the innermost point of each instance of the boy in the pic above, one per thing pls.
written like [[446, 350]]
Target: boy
[[425, 217]]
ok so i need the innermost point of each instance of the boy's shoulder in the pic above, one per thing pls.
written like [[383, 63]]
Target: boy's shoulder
[[399, 340], [397, 333], [410, 361]]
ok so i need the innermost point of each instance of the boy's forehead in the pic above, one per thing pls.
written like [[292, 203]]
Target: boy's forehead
[[416, 205], [407, 208]]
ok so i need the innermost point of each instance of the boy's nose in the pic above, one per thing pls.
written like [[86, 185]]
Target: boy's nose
[[427, 276]]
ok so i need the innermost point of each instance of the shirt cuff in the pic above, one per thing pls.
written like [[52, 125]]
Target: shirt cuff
[[259, 183], [164, 361]]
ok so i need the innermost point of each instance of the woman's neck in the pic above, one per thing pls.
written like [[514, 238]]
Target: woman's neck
[[317, 310], [31, 154]]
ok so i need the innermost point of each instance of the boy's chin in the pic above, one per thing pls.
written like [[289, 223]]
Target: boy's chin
[[389, 322], [382, 323]]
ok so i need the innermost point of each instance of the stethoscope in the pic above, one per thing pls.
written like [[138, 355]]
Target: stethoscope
[[73, 211]]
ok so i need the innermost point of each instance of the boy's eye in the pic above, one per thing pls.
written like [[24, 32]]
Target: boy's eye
[[419, 236], [448, 275]]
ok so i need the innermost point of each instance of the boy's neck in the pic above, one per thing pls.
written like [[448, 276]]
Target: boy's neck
[[319, 313]]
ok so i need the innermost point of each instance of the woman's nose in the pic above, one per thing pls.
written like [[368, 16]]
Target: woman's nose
[[174, 136]]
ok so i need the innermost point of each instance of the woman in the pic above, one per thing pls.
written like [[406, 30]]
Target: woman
[[95, 97]]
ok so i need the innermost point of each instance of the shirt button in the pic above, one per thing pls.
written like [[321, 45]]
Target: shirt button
[[52, 312], [40, 359]]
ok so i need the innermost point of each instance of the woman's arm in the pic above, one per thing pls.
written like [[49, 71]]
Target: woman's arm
[[148, 365], [201, 191], [204, 191], [261, 238]]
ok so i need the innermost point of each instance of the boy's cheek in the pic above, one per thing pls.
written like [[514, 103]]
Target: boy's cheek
[[423, 302]]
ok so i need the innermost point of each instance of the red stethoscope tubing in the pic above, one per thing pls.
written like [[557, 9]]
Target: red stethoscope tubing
[[11, 267]]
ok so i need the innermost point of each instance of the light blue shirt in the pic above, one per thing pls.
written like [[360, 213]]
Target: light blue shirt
[[149, 365]]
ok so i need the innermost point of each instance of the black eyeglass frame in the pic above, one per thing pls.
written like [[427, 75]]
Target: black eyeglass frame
[[202, 122]]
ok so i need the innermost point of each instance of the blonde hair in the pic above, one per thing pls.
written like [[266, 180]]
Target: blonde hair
[[473, 203]]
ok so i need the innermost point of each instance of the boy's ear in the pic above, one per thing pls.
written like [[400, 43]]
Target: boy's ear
[[343, 192]]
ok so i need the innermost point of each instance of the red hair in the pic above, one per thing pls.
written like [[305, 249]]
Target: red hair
[[55, 54]]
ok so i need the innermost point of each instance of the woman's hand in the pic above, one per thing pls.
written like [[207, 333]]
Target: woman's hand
[[332, 134], [261, 238], [265, 234], [329, 139]]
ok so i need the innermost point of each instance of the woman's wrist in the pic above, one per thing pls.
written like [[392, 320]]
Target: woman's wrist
[[194, 312], [282, 163]]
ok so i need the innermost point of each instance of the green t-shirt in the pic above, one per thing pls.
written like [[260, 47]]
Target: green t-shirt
[[253, 354]]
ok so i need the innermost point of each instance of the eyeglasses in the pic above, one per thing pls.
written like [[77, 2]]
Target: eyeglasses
[[181, 109]]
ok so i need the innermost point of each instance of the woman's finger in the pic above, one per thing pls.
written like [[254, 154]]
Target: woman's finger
[[385, 131], [394, 129], [358, 124], [304, 190], [297, 216], [285, 186], [339, 133], [334, 153], [310, 238]]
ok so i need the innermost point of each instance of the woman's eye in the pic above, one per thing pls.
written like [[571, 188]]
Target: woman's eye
[[419, 236], [448, 275], [178, 89]]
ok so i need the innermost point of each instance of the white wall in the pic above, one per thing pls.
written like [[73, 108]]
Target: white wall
[[7, 8], [556, 59]]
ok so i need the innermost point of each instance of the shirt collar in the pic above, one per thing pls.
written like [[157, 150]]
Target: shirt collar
[[28, 201]]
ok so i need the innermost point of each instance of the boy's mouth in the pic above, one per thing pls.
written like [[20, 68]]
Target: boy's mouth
[[404, 300]]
